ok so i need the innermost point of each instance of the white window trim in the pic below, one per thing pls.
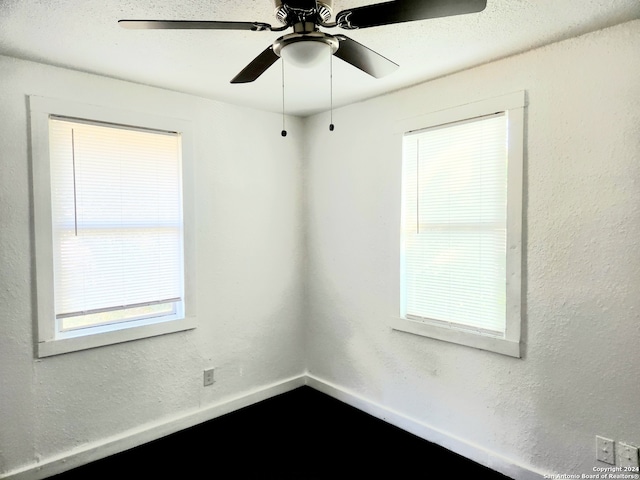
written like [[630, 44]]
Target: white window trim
[[40, 110], [514, 105]]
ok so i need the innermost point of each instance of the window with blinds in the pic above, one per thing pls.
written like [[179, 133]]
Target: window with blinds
[[454, 232], [117, 227]]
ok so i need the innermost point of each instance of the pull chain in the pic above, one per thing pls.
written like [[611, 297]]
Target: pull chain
[[331, 126], [284, 132]]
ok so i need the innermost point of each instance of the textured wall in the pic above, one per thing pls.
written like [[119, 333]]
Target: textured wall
[[579, 375], [249, 256]]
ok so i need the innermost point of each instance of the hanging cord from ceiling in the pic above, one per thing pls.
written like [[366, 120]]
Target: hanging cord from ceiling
[[75, 197], [331, 126], [284, 131]]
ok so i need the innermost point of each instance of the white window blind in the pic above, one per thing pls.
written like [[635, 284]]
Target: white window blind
[[116, 223], [454, 224]]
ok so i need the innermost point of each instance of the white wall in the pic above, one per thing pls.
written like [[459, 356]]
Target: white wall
[[249, 277], [579, 375]]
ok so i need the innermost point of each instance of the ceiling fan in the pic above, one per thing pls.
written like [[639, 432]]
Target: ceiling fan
[[306, 43]]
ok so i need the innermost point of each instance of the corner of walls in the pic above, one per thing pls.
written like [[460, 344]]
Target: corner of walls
[[307, 135]]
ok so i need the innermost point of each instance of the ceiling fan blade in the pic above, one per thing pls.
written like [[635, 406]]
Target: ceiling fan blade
[[364, 58], [257, 66], [399, 11], [192, 25]]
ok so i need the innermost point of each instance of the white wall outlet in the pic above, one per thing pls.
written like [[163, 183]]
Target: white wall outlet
[[627, 455], [605, 450], [208, 377]]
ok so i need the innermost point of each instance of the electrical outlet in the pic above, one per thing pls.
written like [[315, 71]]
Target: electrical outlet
[[627, 455], [208, 377], [605, 450]]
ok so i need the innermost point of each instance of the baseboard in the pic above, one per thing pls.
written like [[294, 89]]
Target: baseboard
[[457, 445], [132, 438]]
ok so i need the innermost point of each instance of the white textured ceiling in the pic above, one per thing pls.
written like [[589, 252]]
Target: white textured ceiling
[[84, 35]]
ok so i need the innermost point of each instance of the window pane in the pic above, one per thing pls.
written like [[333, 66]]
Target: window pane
[[454, 223], [458, 277], [117, 220]]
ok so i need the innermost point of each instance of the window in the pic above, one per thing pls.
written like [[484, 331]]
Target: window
[[110, 226], [461, 226]]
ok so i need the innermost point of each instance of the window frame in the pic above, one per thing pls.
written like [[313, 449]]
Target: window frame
[[513, 105], [48, 340]]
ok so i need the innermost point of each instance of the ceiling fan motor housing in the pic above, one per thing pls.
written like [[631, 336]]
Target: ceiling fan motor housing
[[291, 12]]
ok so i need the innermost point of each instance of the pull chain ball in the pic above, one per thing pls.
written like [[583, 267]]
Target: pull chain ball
[[331, 128], [283, 133]]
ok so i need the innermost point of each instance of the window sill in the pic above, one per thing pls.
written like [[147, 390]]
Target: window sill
[[66, 345], [483, 342]]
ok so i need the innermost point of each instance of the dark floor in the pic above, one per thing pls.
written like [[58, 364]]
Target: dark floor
[[302, 434]]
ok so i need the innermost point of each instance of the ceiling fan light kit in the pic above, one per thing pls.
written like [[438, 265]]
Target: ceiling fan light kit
[[305, 49]]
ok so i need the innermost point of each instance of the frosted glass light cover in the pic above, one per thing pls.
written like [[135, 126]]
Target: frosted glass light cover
[[304, 54]]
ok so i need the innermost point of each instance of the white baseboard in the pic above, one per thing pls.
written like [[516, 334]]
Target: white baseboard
[[457, 445], [132, 438]]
